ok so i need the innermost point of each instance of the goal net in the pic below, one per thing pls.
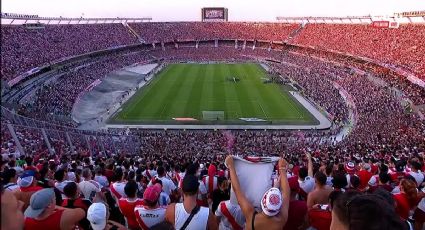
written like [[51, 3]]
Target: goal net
[[213, 115]]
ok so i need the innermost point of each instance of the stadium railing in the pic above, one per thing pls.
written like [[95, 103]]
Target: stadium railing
[[24, 132]]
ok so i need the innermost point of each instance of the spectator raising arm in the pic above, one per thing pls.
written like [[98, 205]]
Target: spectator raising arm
[[284, 187], [247, 208]]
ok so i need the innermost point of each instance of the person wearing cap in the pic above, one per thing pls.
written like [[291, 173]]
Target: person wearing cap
[[150, 213], [43, 212], [12, 217], [297, 210], [320, 194], [10, 177], [189, 214], [98, 216], [127, 205], [274, 204], [164, 199], [350, 169], [27, 186], [210, 180]]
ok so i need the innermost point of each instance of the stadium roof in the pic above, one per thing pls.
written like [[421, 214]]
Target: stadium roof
[[189, 10]]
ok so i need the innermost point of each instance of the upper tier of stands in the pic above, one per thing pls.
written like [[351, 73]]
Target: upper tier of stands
[[404, 46], [24, 49], [159, 31]]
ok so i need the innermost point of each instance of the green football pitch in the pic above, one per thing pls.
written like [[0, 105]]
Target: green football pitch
[[234, 90]]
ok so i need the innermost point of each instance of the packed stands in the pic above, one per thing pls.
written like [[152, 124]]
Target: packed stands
[[58, 97], [403, 46], [170, 31], [24, 49]]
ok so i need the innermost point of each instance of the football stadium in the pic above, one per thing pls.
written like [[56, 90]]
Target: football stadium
[[199, 114]]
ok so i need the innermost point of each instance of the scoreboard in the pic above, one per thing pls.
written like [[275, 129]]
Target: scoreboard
[[214, 14]]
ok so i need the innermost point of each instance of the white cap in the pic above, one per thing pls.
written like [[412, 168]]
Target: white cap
[[96, 214], [271, 202], [201, 166]]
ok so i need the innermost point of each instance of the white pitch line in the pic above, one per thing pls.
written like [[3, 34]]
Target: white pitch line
[[262, 110]]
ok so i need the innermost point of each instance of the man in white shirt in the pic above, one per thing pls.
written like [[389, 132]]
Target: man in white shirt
[[151, 213], [416, 173], [89, 187], [150, 172], [229, 216], [101, 179], [61, 181], [306, 180], [178, 214], [168, 185]]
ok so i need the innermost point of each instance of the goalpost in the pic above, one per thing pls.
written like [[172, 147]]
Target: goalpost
[[213, 115]]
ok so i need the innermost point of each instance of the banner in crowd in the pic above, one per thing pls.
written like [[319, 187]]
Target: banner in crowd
[[381, 24], [262, 181]]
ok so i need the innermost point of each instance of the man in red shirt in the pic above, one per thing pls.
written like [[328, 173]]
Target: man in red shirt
[[44, 214], [364, 175], [128, 204], [297, 208], [397, 176], [109, 172], [29, 166], [73, 200]]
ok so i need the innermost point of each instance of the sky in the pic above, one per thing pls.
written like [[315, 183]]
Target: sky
[[190, 10]]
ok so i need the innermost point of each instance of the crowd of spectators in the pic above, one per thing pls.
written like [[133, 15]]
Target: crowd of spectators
[[170, 31], [58, 97], [403, 46], [145, 191], [24, 49], [413, 91]]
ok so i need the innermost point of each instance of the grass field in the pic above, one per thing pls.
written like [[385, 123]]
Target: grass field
[[185, 90]]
